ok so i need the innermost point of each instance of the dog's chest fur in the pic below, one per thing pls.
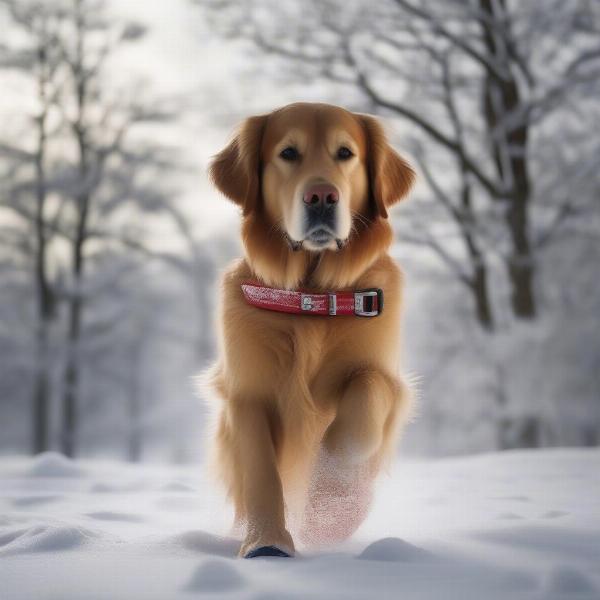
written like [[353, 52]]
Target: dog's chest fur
[[274, 355]]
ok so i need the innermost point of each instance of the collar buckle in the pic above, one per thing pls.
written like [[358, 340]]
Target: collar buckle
[[368, 303]]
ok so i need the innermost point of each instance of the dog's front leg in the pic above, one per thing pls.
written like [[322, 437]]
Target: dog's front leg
[[262, 493], [367, 412]]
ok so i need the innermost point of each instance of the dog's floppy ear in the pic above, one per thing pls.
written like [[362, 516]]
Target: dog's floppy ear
[[390, 175], [236, 169]]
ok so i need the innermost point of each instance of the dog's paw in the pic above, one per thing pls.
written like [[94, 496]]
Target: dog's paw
[[272, 551], [267, 542]]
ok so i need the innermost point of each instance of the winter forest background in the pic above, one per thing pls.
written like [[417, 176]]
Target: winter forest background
[[111, 238]]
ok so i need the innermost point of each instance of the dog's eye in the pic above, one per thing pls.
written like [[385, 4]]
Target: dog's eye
[[344, 153], [290, 153]]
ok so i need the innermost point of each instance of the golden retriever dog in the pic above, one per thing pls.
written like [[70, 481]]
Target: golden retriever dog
[[311, 403]]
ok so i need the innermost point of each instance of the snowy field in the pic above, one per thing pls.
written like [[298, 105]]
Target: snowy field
[[512, 525]]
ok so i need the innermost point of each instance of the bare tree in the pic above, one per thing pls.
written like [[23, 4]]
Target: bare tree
[[39, 57], [98, 125], [80, 163]]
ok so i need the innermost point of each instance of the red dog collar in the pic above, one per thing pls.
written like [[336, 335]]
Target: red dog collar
[[364, 303]]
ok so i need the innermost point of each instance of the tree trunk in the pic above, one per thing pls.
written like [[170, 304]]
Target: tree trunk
[[519, 432], [41, 390], [520, 262], [514, 431], [71, 380], [134, 449], [82, 202], [501, 98], [478, 282], [482, 301], [72, 371], [41, 393]]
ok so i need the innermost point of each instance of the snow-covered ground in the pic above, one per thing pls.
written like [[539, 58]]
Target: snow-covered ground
[[512, 525]]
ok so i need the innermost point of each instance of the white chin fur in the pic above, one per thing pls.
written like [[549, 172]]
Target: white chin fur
[[308, 245]]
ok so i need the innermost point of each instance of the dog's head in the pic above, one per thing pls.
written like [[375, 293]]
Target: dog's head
[[313, 171], [312, 179]]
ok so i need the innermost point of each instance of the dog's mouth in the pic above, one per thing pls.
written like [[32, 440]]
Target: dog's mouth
[[317, 239], [320, 236]]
